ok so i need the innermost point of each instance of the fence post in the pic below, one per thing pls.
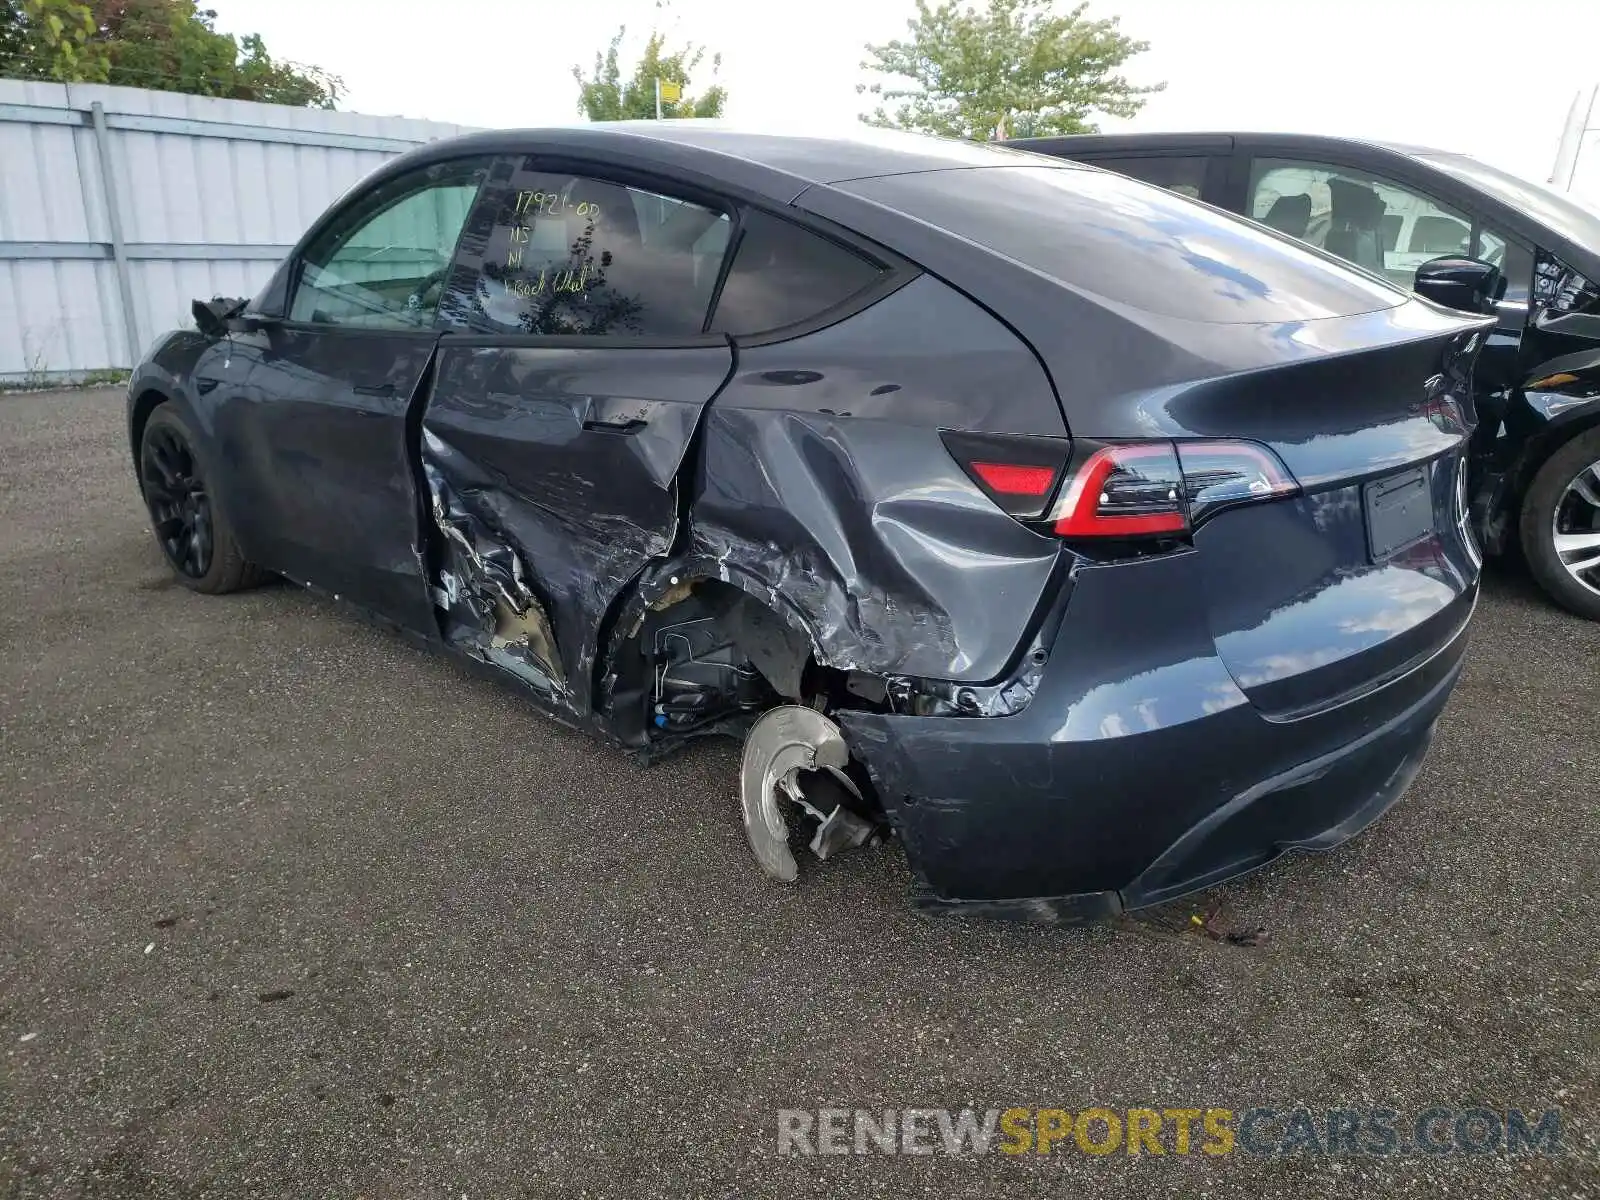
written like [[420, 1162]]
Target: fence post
[[119, 250]]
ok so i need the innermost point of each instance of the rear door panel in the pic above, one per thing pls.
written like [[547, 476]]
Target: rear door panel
[[558, 464], [571, 379], [1370, 570]]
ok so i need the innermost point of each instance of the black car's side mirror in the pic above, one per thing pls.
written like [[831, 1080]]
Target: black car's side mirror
[[211, 317], [1467, 284]]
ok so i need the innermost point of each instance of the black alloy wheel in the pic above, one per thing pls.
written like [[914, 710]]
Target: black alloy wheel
[[185, 511], [180, 509]]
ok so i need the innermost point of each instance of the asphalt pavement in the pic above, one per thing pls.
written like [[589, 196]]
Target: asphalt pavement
[[292, 908]]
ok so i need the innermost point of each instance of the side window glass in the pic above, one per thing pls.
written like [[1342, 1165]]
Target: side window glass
[[783, 274], [383, 265], [1386, 227], [1513, 258], [555, 254], [1184, 175]]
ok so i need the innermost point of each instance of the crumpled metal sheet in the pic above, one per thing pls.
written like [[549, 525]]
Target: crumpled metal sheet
[[869, 536], [483, 586], [570, 457]]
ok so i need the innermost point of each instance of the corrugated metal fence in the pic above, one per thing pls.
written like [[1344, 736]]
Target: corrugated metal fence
[[119, 206]]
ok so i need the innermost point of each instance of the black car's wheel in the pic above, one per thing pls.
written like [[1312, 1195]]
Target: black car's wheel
[[189, 525], [1561, 525]]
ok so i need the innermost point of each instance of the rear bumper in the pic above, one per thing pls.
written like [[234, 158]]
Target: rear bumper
[[1118, 788]]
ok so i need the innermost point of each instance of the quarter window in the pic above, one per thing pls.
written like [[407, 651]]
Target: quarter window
[[549, 253], [1185, 175], [382, 266], [783, 274], [1372, 222]]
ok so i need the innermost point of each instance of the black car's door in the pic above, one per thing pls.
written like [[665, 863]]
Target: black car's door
[[1501, 363], [570, 381], [314, 430]]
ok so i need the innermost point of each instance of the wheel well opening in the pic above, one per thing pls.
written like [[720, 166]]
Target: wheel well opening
[[706, 653], [1517, 480], [143, 405]]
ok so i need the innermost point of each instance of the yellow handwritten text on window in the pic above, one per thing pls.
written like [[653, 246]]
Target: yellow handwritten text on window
[[519, 239], [550, 283], [554, 204]]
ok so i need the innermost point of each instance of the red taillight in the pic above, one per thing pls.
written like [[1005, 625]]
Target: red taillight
[[1012, 480], [1127, 490], [1220, 474], [1018, 472], [1163, 489]]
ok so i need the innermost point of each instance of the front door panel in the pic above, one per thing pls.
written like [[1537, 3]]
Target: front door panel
[[553, 475], [315, 425]]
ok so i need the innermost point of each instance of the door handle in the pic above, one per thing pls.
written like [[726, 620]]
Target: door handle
[[385, 390], [626, 425]]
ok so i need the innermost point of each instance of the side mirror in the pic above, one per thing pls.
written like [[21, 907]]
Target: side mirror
[[1467, 284], [211, 317]]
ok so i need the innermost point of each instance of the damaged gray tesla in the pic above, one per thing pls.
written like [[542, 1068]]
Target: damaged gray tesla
[[1099, 544]]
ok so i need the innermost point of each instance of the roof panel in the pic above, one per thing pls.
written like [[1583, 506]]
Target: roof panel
[[850, 153]]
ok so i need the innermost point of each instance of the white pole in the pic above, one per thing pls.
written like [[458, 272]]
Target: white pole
[[1570, 136], [658, 97], [1583, 129]]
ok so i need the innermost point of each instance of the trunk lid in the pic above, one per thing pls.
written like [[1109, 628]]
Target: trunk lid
[[1316, 599]]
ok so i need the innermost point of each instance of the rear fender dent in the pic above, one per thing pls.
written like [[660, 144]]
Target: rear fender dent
[[872, 536]]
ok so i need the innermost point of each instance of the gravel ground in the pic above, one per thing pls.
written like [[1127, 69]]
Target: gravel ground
[[289, 907]]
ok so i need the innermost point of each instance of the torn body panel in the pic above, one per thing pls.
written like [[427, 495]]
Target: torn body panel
[[552, 473], [827, 523], [482, 591]]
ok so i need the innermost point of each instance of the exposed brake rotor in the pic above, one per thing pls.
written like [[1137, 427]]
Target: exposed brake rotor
[[782, 744]]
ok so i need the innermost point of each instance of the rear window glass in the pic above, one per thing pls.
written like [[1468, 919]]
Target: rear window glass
[[1133, 244], [782, 274]]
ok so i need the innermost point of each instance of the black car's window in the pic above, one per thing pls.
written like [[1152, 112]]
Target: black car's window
[[1392, 223], [1183, 174], [551, 253], [1131, 243], [783, 274], [1386, 227], [381, 264]]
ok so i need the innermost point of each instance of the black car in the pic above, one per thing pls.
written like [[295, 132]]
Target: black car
[[1394, 209], [1103, 544]]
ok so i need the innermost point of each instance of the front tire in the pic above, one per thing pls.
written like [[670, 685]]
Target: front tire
[[1560, 527], [190, 526]]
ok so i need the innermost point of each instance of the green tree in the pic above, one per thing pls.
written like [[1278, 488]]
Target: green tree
[[1017, 65], [603, 96], [49, 39], [170, 45]]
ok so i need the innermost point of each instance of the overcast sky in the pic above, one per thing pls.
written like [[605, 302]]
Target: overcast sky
[[1481, 76]]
